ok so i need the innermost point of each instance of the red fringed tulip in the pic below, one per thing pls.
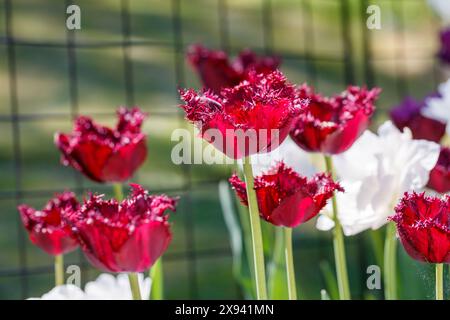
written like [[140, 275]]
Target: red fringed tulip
[[408, 114], [217, 72], [124, 237], [423, 224], [332, 125], [104, 154], [440, 175], [255, 116], [285, 198], [46, 227]]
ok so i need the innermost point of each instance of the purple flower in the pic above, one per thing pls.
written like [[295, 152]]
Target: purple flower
[[407, 114], [444, 52]]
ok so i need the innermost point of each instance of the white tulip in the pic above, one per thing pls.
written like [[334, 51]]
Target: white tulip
[[108, 287], [375, 172], [64, 292], [105, 287]]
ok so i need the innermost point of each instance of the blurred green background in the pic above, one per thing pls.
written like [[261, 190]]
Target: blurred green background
[[323, 42]]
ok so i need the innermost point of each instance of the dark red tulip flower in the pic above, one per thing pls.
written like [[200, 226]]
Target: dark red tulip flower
[[104, 154], [124, 237], [254, 116], [444, 52], [408, 114], [218, 72], [423, 224], [440, 175], [332, 125], [46, 227], [285, 198]]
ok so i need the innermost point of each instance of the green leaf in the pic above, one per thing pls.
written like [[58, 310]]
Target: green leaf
[[278, 289], [330, 280], [239, 240]]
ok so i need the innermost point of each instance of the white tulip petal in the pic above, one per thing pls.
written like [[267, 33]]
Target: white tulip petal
[[392, 164], [324, 223], [64, 292], [441, 8], [105, 287], [288, 152]]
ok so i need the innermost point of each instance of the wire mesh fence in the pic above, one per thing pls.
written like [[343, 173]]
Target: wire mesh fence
[[352, 56]]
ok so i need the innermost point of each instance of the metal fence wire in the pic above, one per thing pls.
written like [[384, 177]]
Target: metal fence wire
[[19, 272]]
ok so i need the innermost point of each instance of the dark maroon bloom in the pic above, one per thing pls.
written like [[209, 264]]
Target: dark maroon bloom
[[423, 224], [440, 175], [254, 116], [124, 237], [444, 52], [285, 198], [332, 125], [218, 72], [104, 154], [408, 114], [46, 227]]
